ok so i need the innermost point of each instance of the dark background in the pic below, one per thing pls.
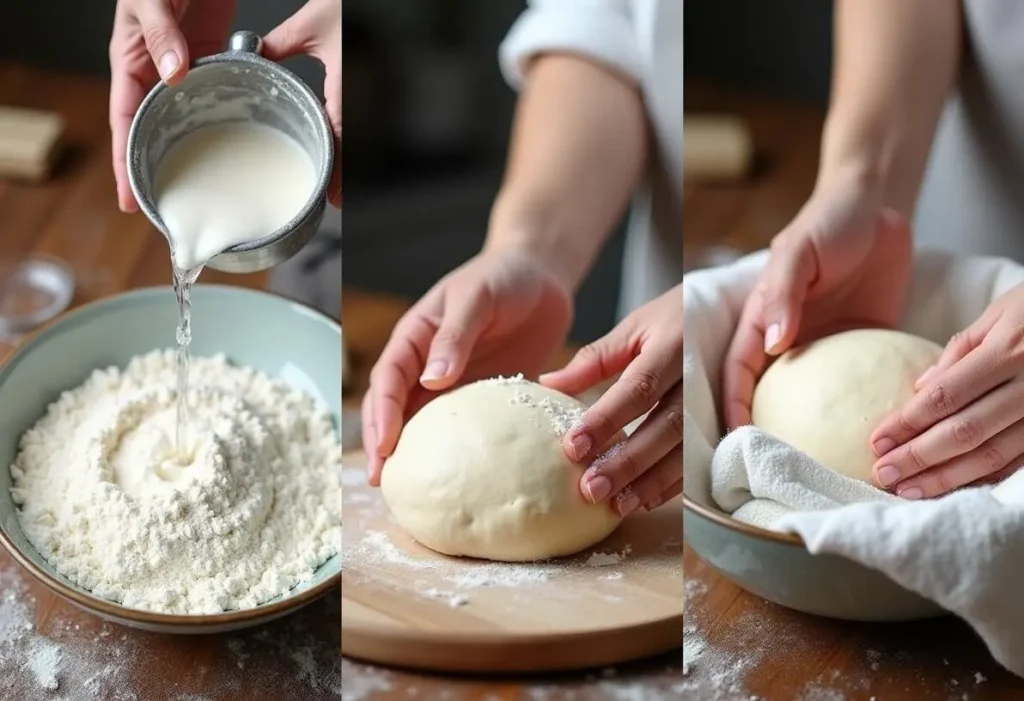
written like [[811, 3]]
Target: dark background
[[781, 48]]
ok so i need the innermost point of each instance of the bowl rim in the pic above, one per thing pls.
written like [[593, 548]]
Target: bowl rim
[[113, 609], [732, 524]]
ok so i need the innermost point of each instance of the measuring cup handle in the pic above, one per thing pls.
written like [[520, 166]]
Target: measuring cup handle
[[249, 42]]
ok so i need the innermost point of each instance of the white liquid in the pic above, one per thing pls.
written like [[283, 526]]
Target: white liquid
[[218, 187], [228, 184]]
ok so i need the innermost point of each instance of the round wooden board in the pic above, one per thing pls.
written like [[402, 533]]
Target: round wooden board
[[406, 605]]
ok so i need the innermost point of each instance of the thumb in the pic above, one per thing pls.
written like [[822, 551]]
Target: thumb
[[597, 361], [786, 279], [296, 35], [164, 41], [464, 319]]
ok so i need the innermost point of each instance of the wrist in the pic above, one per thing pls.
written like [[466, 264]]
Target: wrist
[[540, 236]]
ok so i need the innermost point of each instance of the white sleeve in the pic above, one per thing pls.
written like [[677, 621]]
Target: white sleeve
[[601, 30]]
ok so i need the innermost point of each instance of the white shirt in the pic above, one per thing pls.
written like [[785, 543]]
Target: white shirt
[[644, 40]]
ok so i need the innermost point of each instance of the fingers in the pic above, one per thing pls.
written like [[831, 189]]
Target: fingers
[[784, 283], [999, 456], [465, 317], [955, 436], [296, 35], [373, 459], [595, 362], [959, 346], [164, 40], [126, 94], [745, 362], [643, 383], [660, 483], [391, 379], [667, 495], [945, 394], [649, 462]]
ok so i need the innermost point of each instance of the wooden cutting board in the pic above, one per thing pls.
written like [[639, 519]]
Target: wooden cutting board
[[405, 605]]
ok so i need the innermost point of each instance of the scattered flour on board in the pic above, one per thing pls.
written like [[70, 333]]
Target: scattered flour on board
[[464, 576], [367, 683]]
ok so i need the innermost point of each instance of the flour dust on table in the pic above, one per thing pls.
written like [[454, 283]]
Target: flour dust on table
[[254, 511], [218, 187]]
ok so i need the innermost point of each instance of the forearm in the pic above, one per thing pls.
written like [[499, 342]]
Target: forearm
[[578, 148], [895, 64]]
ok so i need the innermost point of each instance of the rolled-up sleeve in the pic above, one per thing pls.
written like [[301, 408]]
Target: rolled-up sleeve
[[601, 30]]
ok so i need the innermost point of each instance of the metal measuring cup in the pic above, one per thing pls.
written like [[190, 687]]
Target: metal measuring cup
[[237, 85]]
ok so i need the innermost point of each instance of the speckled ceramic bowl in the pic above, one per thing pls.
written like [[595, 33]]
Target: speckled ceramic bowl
[[779, 568], [274, 335]]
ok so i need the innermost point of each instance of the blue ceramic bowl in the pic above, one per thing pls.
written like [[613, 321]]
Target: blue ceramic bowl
[[279, 337]]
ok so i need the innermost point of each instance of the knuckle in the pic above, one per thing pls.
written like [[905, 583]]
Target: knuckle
[[1014, 342], [626, 467], [943, 482], [992, 459], [643, 387], [966, 432], [905, 425], [449, 337], [939, 401], [674, 423], [912, 456], [155, 36]]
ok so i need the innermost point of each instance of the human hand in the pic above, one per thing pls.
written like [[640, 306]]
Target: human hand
[[647, 348], [315, 30], [965, 424], [844, 262], [155, 40], [500, 312]]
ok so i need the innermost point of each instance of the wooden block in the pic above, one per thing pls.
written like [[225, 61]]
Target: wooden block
[[30, 142], [716, 148]]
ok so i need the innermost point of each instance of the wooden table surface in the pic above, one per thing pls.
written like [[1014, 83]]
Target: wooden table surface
[[75, 218], [742, 645]]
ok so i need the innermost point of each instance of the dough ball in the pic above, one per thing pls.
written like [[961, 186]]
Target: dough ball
[[827, 398], [481, 472]]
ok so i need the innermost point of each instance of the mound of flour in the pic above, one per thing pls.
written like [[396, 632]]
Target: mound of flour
[[252, 511]]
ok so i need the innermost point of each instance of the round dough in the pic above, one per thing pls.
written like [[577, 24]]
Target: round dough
[[827, 398], [481, 472]]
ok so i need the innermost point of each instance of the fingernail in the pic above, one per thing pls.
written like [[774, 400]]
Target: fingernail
[[598, 488], [924, 376], [435, 370], [888, 475], [581, 444], [628, 505], [883, 446], [168, 64], [911, 493], [771, 337]]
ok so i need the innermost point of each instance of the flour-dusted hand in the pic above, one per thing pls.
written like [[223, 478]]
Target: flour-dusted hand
[[842, 263], [315, 30], [966, 422], [155, 40], [647, 348], [499, 313]]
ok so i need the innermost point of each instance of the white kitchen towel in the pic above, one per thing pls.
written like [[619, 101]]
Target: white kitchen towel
[[964, 551]]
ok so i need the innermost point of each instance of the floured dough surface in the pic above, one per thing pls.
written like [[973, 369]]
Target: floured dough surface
[[480, 472], [827, 398]]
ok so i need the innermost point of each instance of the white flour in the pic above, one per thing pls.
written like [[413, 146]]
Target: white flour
[[253, 514]]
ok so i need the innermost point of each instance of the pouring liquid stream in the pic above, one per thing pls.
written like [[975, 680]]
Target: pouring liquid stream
[[183, 281]]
